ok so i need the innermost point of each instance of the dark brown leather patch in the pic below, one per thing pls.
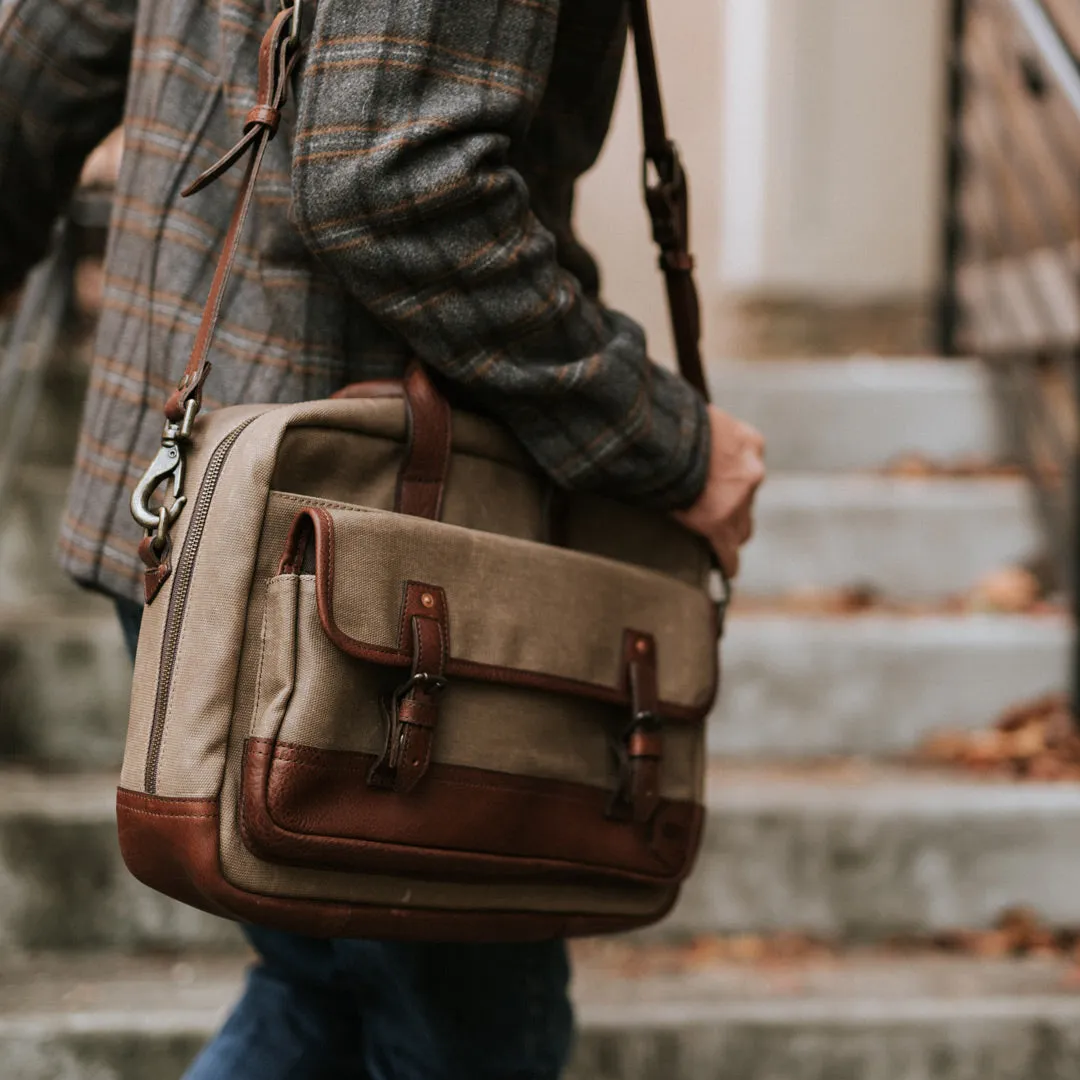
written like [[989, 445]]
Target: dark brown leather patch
[[312, 807], [172, 846], [158, 567], [413, 715]]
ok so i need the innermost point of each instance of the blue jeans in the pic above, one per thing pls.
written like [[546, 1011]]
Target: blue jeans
[[378, 1010]]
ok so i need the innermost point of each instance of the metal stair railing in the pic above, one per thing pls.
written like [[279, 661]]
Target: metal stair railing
[[1011, 245]]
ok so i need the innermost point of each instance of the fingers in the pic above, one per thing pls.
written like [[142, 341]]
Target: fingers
[[723, 513], [728, 557]]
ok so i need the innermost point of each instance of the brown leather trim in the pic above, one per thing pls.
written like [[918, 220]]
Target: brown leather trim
[[311, 807], [413, 712], [317, 523], [172, 846], [158, 567], [422, 480], [277, 58], [643, 750], [372, 388]]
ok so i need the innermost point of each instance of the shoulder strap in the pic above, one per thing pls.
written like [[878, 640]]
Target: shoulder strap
[[668, 200], [665, 195]]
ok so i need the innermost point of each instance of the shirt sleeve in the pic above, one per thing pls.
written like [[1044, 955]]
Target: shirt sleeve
[[63, 74], [404, 185]]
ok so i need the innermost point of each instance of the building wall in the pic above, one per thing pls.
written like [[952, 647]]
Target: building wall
[[813, 131]]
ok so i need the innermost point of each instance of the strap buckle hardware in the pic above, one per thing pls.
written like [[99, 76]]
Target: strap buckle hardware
[[168, 465], [422, 680], [664, 181], [643, 720]]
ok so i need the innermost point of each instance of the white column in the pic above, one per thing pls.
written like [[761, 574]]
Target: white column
[[833, 119], [813, 132], [610, 215]]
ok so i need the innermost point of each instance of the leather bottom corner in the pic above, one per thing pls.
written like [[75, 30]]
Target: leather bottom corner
[[171, 845]]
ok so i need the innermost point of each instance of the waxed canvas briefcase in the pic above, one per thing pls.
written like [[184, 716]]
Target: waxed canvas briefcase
[[389, 683]]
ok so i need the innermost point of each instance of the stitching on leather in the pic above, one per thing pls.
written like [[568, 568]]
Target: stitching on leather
[[171, 817], [312, 758], [292, 833]]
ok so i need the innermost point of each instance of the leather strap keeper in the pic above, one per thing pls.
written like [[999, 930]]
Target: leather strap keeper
[[413, 712], [642, 751]]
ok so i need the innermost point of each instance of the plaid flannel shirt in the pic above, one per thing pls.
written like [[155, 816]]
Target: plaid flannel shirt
[[417, 202]]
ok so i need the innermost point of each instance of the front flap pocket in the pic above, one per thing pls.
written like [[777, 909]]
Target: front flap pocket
[[438, 701], [521, 613]]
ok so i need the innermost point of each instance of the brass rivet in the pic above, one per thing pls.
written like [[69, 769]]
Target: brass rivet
[[642, 645], [427, 600]]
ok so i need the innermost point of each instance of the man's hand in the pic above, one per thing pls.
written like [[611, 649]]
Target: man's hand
[[723, 511]]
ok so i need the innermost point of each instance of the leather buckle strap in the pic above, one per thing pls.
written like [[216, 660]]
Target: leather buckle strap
[[668, 199], [641, 749], [412, 713]]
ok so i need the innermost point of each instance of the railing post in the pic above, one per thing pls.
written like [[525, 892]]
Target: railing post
[[1073, 540], [952, 226]]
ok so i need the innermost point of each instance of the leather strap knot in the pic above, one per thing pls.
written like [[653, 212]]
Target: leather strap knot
[[265, 115]]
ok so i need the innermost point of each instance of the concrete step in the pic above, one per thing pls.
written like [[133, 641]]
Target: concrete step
[[876, 684], [860, 684], [103, 1018], [847, 851], [65, 680], [63, 884], [910, 539], [862, 412], [858, 851]]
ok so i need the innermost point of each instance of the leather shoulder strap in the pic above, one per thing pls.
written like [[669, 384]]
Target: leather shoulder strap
[[666, 197], [668, 200]]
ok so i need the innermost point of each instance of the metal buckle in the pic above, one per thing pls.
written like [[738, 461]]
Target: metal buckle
[[664, 183], [432, 684], [167, 465], [643, 720]]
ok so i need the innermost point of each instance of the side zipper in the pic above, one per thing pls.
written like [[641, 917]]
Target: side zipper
[[174, 617]]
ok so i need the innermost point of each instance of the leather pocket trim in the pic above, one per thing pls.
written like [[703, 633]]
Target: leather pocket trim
[[308, 807]]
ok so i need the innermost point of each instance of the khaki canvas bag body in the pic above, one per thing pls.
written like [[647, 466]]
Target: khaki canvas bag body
[[389, 683]]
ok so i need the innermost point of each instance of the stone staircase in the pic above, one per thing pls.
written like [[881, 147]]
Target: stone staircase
[[817, 824]]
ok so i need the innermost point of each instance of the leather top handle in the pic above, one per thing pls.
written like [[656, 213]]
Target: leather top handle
[[426, 462]]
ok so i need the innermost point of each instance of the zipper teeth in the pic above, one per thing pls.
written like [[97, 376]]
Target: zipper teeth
[[174, 617]]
